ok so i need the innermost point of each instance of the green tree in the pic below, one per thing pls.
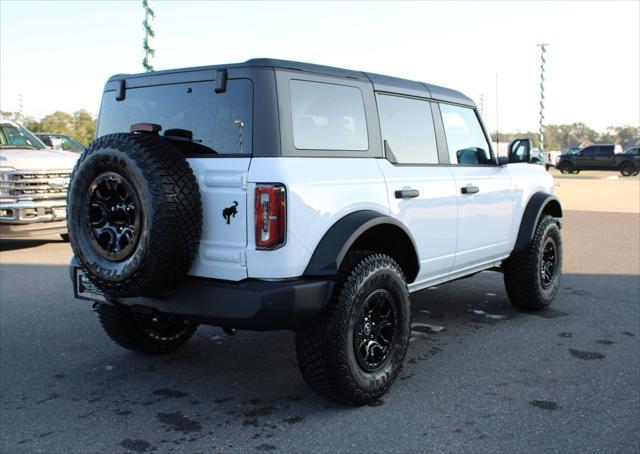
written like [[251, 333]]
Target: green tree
[[28, 122], [627, 136], [80, 125], [58, 122], [84, 126]]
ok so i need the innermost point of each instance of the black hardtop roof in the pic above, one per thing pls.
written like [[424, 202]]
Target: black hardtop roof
[[380, 82]]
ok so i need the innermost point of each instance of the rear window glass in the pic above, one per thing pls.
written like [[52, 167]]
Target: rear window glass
[[327, 117], [220, 122]]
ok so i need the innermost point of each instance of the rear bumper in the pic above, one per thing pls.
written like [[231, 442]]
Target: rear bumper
[[250, 304]]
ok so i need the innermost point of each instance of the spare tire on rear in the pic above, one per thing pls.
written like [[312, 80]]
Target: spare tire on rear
[[134, 214]]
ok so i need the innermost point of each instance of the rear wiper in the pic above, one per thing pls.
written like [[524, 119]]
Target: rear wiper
[[183, 139]]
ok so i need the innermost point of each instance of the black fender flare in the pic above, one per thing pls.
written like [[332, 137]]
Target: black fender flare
[[538, 204], [337, 241]]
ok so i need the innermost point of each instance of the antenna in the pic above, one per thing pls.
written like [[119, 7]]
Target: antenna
[[149, 51]]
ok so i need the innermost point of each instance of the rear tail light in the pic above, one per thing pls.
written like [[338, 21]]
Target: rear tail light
[[270, 215]]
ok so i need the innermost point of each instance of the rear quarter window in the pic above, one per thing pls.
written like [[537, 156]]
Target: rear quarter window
[[222, 123], [327, 116]]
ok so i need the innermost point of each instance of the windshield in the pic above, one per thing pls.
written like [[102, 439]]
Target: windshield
[[14, 136], [573, 151], [61, 142], [633, 151]]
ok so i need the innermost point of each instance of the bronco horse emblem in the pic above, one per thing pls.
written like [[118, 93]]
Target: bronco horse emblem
[[230, 212]]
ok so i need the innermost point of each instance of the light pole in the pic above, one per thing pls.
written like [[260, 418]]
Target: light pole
[[149, 51], [20, 109], [543, 49]]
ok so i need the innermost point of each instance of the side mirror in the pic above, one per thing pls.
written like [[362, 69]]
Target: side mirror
[[520, 150]]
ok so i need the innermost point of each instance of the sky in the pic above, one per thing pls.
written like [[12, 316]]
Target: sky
[[58, 54]]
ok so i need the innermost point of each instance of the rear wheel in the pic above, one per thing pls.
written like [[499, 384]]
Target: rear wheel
[[627, 169], [353, 351], [532, 277], [145, 333]]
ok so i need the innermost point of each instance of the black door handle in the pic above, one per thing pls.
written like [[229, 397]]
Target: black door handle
[[407, 193], [470, 189]]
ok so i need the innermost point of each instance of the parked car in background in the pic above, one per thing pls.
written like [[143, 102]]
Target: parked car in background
[[60, 142], [541, 158], [599, 157], [33, 185]]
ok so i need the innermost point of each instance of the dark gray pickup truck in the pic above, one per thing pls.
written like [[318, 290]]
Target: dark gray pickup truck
[[600, 157]]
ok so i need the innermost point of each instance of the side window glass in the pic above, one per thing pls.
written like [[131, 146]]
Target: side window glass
[[465, 139], [327, 117], [407, 126], [589, 151]]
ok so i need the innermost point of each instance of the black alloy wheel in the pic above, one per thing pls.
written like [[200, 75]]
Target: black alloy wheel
[[150, 334], [114, 217], [354, 349], [373, 331], [548, 263], [134, 215], [532, 276], [163, 327]]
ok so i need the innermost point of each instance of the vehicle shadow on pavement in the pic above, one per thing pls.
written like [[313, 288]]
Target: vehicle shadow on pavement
[[244, 392], [13, 245]]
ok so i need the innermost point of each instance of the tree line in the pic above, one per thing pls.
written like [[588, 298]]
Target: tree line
[[80, 125], [559, 137]]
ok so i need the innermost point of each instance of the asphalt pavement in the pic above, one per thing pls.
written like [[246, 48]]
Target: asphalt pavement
[[480, 376]]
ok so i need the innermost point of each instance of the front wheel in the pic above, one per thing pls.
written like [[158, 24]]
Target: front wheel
[[353, 351], [532, 277], [145, 333], [565, 167]]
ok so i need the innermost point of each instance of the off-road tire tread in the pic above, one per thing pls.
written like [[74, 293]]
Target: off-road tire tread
[[121, 327], [321, 357], [521, 270], [174, 229]]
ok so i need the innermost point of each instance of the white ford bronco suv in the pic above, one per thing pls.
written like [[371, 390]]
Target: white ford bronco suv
[[274, 195]]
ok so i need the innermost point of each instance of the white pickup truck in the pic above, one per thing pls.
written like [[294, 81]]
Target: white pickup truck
[[33, 185]]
